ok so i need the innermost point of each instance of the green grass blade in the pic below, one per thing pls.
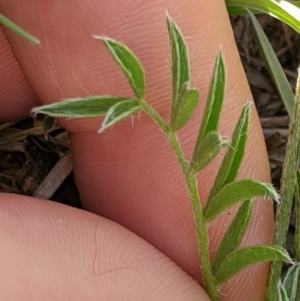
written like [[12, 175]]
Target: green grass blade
[[246, 257], [233, 11], [18, 30], [118, 112], [234, 155], [180, 65], [210, 147], [296, 3], [236, 192], [297, 224], [268, 55], [186, 105], [287, 191], [234, 234], [212, 112], [91, 106], [282, 10], [129, 63], [297, 228]]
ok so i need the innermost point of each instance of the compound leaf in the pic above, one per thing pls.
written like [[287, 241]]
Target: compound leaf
[[91, 106]]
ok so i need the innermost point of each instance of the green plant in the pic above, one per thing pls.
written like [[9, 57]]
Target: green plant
[[226, 191], [282, 10], [287, 12], [288, 189], [209, 143]]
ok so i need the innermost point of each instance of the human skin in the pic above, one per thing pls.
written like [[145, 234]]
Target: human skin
[[136, 239]]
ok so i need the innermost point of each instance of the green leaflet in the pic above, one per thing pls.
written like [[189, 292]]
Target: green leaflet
[[241, 259], [186, 105], [210, 147], [234, 234], [268, 55], [212, 112], [180, 66], [129, 63], [184, 99], [18, 30], [118, 112], [234, 155], [91, 106], [236, 192]]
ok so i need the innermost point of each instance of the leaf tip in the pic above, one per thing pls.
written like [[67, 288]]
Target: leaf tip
[[170, 21], [168, 17], [102, 38], [276, 197], [249, 103], [34, 112], [98, 37], [101, 130], [271, 193]]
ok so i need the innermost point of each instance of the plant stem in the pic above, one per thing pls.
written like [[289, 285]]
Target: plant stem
[[297, 224], [288, 184], [191, 183], [297, 229]]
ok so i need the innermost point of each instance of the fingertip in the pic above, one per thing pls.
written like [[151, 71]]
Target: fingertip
[[54, 252], [16, 96]]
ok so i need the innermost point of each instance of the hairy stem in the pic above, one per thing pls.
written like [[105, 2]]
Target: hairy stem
[[191, 183], [288, 185], [297, 231]]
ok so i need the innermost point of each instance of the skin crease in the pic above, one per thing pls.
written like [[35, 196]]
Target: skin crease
[[128, 174]]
